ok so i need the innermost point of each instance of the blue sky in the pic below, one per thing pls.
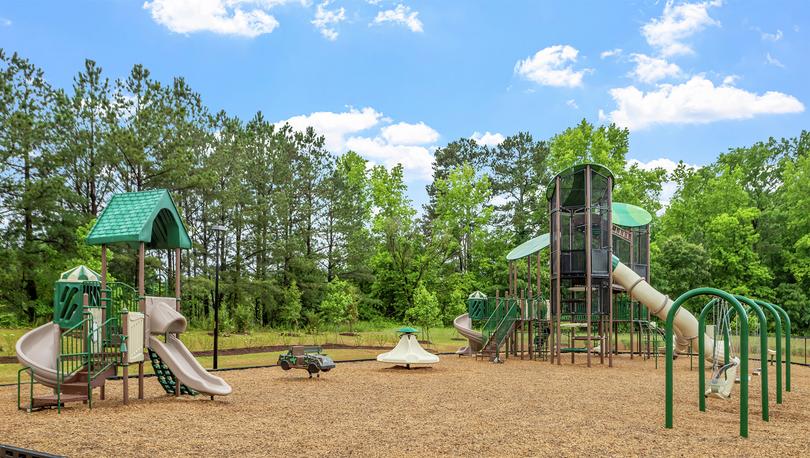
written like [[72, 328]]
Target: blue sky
[[395, 79]]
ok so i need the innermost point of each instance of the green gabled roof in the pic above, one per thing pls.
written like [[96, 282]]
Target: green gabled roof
[[147, 216]]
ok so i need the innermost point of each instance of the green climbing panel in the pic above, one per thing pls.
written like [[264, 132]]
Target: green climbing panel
[[165, 376]]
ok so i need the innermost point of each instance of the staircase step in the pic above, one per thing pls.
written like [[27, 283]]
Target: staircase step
[[79, 388], [51, 400]]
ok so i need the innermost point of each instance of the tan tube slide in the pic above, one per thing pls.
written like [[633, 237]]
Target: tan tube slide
[[685, 325]]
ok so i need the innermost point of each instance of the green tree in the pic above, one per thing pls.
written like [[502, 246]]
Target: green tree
[[735, 266], [339, 305], [290, 313], [461, 211], [425, 311], [36, 228], [679, 265], [519, 171]]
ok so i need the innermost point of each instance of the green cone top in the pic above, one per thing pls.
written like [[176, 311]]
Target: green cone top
[[79, 274]]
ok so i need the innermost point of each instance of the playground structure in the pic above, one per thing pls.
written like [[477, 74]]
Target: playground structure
[[408, 352], [96, 330], [526, 322], [591, 290]]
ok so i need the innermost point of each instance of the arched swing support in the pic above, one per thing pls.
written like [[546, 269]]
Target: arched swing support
[[786, 324], [676, 306], [763, 361], [778, 331]]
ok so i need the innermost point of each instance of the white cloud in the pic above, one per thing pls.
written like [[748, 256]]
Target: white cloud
[[409, 134], [5, 22], [402, 15], [488, 138], [668, 187], [246, 18], [602, 116], [551, 66], [697, 101], [325, 20], [773, 61], [771, 36], [677, 23], [370, 134], [335, 127], [610, 53], [651, 69], [572, 103], [417, 161], [730, 80]]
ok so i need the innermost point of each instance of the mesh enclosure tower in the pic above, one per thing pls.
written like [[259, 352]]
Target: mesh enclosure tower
[[580, 207]]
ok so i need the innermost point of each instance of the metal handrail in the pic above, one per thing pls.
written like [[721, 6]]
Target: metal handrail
[[30, 388]]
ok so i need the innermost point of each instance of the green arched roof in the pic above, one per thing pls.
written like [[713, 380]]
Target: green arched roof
[[576, 168], [529, 247], [147, 216], [629, 215]]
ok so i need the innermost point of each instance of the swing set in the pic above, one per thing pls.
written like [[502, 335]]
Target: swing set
[[728, 336]]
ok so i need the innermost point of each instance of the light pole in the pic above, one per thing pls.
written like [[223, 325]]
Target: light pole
[[220, 230]]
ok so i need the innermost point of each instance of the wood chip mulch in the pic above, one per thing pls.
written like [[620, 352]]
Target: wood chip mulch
[[459, 407]]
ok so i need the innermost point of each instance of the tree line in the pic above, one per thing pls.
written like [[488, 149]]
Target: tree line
[[319, 238]]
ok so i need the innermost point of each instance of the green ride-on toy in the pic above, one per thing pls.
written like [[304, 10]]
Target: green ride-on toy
[[310, 358]]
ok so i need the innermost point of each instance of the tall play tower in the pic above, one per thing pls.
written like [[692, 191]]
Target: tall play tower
[[580, 205]]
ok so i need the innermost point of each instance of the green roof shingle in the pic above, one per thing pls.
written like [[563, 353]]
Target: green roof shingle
[[147, 216]]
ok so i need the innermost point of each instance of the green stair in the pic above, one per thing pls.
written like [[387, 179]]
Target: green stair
[[166, 377], [500, 324]]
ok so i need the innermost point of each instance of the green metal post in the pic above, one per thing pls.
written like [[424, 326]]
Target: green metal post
[[701, 355], [778, 329], [786, 322], [669, 395]]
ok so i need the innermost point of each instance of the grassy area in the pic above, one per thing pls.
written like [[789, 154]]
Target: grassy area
[[442, 340], [197, 340]]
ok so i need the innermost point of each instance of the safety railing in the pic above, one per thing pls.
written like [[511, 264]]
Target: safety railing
[[104, 352], [505, 326], [74, 344], [119, 297], [31, 382], [500, 322], [501, 306]]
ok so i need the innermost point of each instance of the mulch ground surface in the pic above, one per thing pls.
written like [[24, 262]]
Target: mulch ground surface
[[459, 407]]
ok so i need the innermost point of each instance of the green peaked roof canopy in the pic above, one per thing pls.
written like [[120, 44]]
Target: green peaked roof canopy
[[79, 273], [147, 216]]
